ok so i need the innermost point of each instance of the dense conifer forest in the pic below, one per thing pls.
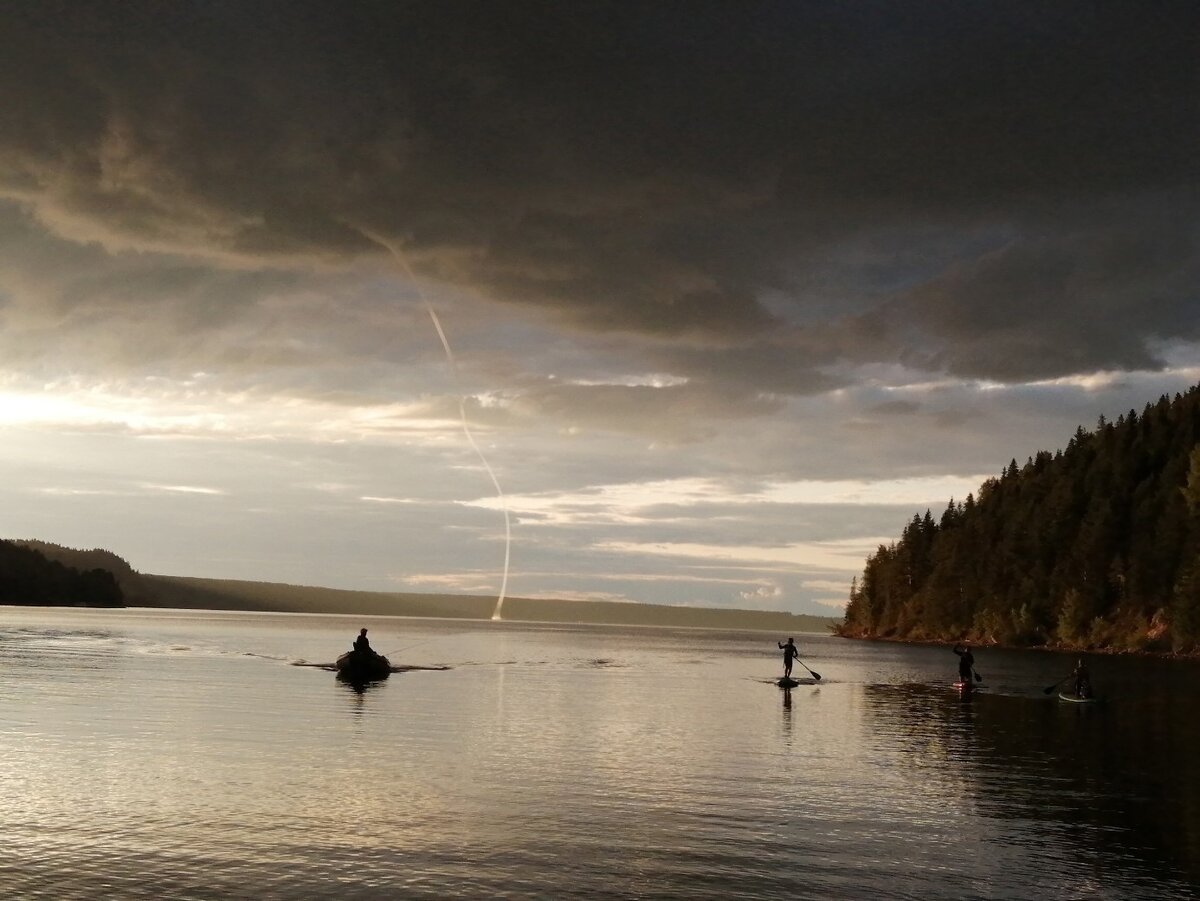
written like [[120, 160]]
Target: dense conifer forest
[[27, 576], [1095, 546], [129, 580]]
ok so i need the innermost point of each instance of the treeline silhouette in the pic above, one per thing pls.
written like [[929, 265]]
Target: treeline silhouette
[[29, 577], [1093, 546], [133, 588]]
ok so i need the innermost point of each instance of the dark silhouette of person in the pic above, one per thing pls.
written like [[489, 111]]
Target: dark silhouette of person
[[789, 654], [966, 662], [1083, 680], [361, 643]]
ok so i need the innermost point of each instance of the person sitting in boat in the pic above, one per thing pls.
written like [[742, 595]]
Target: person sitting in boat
[[1083, 680], [966, 663], [361, 643], [789, 654]]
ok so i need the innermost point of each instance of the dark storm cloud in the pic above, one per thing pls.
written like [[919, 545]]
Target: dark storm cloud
[[651, 168], [1065, 298]]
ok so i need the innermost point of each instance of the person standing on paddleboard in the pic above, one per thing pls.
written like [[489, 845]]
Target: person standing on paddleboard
[[966, 663], [1083, 680], [789, 654]]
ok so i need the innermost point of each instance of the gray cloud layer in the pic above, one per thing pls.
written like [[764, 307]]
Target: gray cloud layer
[[671, 171]]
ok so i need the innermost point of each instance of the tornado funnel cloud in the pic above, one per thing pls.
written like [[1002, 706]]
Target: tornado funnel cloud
[[462, 408]]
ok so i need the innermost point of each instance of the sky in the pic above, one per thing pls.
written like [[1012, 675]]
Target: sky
[[729, 291]]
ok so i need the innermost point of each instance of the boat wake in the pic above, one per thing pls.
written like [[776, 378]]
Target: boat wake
[[332, 667]]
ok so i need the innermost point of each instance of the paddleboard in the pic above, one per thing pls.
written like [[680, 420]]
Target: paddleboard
[[965, 687], [792, 683], [1063, 696]]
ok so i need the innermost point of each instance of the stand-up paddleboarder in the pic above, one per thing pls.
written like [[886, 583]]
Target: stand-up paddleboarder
[[789, 654], [966, 663]]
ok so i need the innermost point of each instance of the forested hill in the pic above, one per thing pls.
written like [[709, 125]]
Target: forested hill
[[128, 579], [27, 576], [1093, 546]]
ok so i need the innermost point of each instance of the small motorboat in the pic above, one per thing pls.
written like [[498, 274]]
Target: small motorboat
[[363, 666]]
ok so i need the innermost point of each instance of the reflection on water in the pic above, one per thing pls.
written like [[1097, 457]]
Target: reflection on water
[[1109, 785], [150, 755]]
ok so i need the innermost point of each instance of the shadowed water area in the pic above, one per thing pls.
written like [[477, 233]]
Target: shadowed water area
[[181, 754]]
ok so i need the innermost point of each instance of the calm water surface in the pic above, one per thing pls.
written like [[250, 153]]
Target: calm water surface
[[156, 754]]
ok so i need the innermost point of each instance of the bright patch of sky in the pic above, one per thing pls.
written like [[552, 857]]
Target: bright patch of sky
[[244, 415], [828, 555], [655, 380], [638, 501]]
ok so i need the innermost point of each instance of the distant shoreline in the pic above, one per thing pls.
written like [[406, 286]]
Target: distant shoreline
[[131, 588], [190, 593], [143, 608]]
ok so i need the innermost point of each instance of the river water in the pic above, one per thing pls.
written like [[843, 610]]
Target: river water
[[177, 754]]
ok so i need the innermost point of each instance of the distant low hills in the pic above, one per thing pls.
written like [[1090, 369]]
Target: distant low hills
[[224, 594], [148, 590]]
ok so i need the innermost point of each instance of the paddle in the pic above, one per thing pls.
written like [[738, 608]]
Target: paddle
[[1051, 688], [978, 678], [816, 676]]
